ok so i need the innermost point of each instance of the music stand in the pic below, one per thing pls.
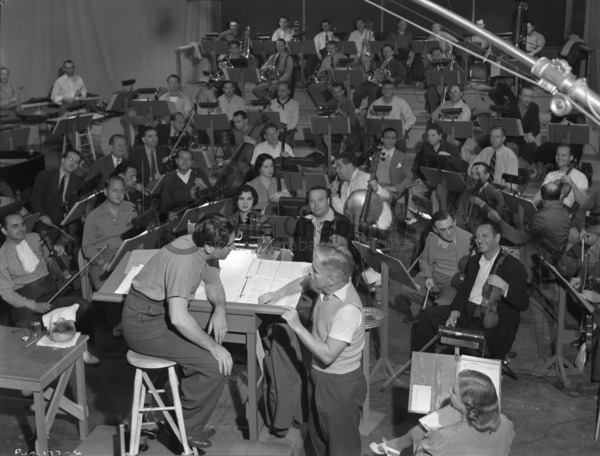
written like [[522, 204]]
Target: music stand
[[14, 139], [213, 48], [152, 108], [242, 76], [194, 214], [442, 77], [272, 116], [523, 208], [376, 46], [457, 129], [263, 47], [199, 160], [329, 126], [385, 265], [348, 76], [119, 101], [283, 226], [512, 127], [423, 47], [487, 123], [445, 181], [568, 133], [375, 126], [71, 124], [348, 47], [210, 122], [144, 241], [304, 182], [78, 209]]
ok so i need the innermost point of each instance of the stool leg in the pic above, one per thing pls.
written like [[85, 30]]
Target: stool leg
[[135, 427], [161, 404], [366, 372], [174, 382]]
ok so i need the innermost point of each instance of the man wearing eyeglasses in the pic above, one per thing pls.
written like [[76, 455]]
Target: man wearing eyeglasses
[[455, 102], [445, 246]]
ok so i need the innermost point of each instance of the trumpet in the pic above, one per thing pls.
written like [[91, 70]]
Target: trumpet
[[246, 52]]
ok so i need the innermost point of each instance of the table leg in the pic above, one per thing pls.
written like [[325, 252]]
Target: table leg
[[81, 397], [251, 409], [41, 444]]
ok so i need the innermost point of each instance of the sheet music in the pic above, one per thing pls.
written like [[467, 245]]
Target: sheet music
[[421, 398], [139, 257], [489, 367], [233, 271], [126, 283]]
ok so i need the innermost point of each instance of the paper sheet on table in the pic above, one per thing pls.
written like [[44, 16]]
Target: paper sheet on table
[[421, 399], [126, 283], [490, 367], [139, 257], [233, 271]]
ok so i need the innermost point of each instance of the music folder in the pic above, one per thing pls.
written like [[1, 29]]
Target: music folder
[[304, 47], [512, 127], [78, 209], [457, 129], [207, 121], [455, 181], [144, 241], [194, 214], [374, 258], [568, 133]]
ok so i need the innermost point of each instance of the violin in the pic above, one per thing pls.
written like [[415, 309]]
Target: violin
[[565, 188], [59, 265], [488, 310]]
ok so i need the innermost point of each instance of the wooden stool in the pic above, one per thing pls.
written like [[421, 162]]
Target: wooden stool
[[141, 383], [373, 319]]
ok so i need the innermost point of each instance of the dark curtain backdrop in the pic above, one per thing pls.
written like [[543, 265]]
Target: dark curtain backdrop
[[109, 40]]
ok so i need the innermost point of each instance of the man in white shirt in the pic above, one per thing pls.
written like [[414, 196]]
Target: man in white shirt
[[284, 32], [69, 87], [321, 38], [566, 175], [400, 108], [178, 100], [499, 158], [455, 102], [288, 109], [229, 102], [272, 145], [355, 179], [361, 35]]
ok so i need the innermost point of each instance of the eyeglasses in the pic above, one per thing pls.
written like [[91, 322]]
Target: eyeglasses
[[448, 229], [454, 91], [73, 160]]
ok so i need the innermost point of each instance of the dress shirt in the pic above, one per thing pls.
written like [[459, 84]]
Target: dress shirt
[[282, 34], [67, 87], [230, 105], [184, 177], [266, 148], [179, 103], [578, 179], [464, 116], [289, 111], [330, 61], [358, 38], [506, 162], [400, 110], [485, 267], [444, 45], [283, 63], [322, 38], [228, 36]]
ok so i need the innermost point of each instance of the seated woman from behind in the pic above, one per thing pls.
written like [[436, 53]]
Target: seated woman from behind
[[481, 430]]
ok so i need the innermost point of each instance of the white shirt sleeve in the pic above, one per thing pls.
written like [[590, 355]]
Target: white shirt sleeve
[[345, 323]]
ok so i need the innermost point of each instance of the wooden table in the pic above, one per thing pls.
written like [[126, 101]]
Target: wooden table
[[34, 368], [243, 321]]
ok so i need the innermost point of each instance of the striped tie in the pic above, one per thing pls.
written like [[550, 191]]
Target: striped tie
[[493, 166]]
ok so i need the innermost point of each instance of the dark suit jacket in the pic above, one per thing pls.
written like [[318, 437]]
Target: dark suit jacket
[[530, 121], [175, 194], [104, 165], [139, 157], [304, 234], [45, 198], [428, 157], [400, 177], [397, 70], [499, 339], [164, 134]]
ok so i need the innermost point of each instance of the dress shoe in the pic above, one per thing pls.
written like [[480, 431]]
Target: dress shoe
[[117, 331], [90, 359], [589, 388], [280, 433], [199, 442]]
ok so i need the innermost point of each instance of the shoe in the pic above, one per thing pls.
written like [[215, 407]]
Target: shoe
[[117, 331], [199, 442], [589, 388], [279, 432], [90, 359]]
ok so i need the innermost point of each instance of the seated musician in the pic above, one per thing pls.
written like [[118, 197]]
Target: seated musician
[[26, 284], [568, 175], [106, 165], [168, 134], [233, 33], [272, 145], [548, 229], [9, 98], [403, 39], [322, 225], [476, 39], [182, 186], [336, 345], [134, 191], [284, 32], [456, 102], [591, 208], [234, 58], [480, 197], [593, 296], [278, 68], [355, 179], [55, 189], [436, 152], [268, 188], [69, 87], [242, 133], [157, 320], [528, 112], [468, 308], [229, 102], [245, 200], [445, 246], [481, 429], [435, 61], [178, 100], [323, 38], [388, 69], [400, 110], [499, 158], [393, 171], [150, 159], [288, 109], [361, 36], [443, 39], [104, 227]]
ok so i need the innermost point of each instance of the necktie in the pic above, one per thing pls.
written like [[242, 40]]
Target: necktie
[[493, 165], [61, 188], [153, 167]]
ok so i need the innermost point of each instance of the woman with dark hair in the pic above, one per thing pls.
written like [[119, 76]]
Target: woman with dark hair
[[267, 187], [437, 152], [245, 199], [481, 431]]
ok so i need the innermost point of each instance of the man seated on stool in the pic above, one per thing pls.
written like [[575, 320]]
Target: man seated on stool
[[182, 186], [157, 321], [104, 227], [26, 284], [336, 342], [510, 277], [445, 246], [322, 225]]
